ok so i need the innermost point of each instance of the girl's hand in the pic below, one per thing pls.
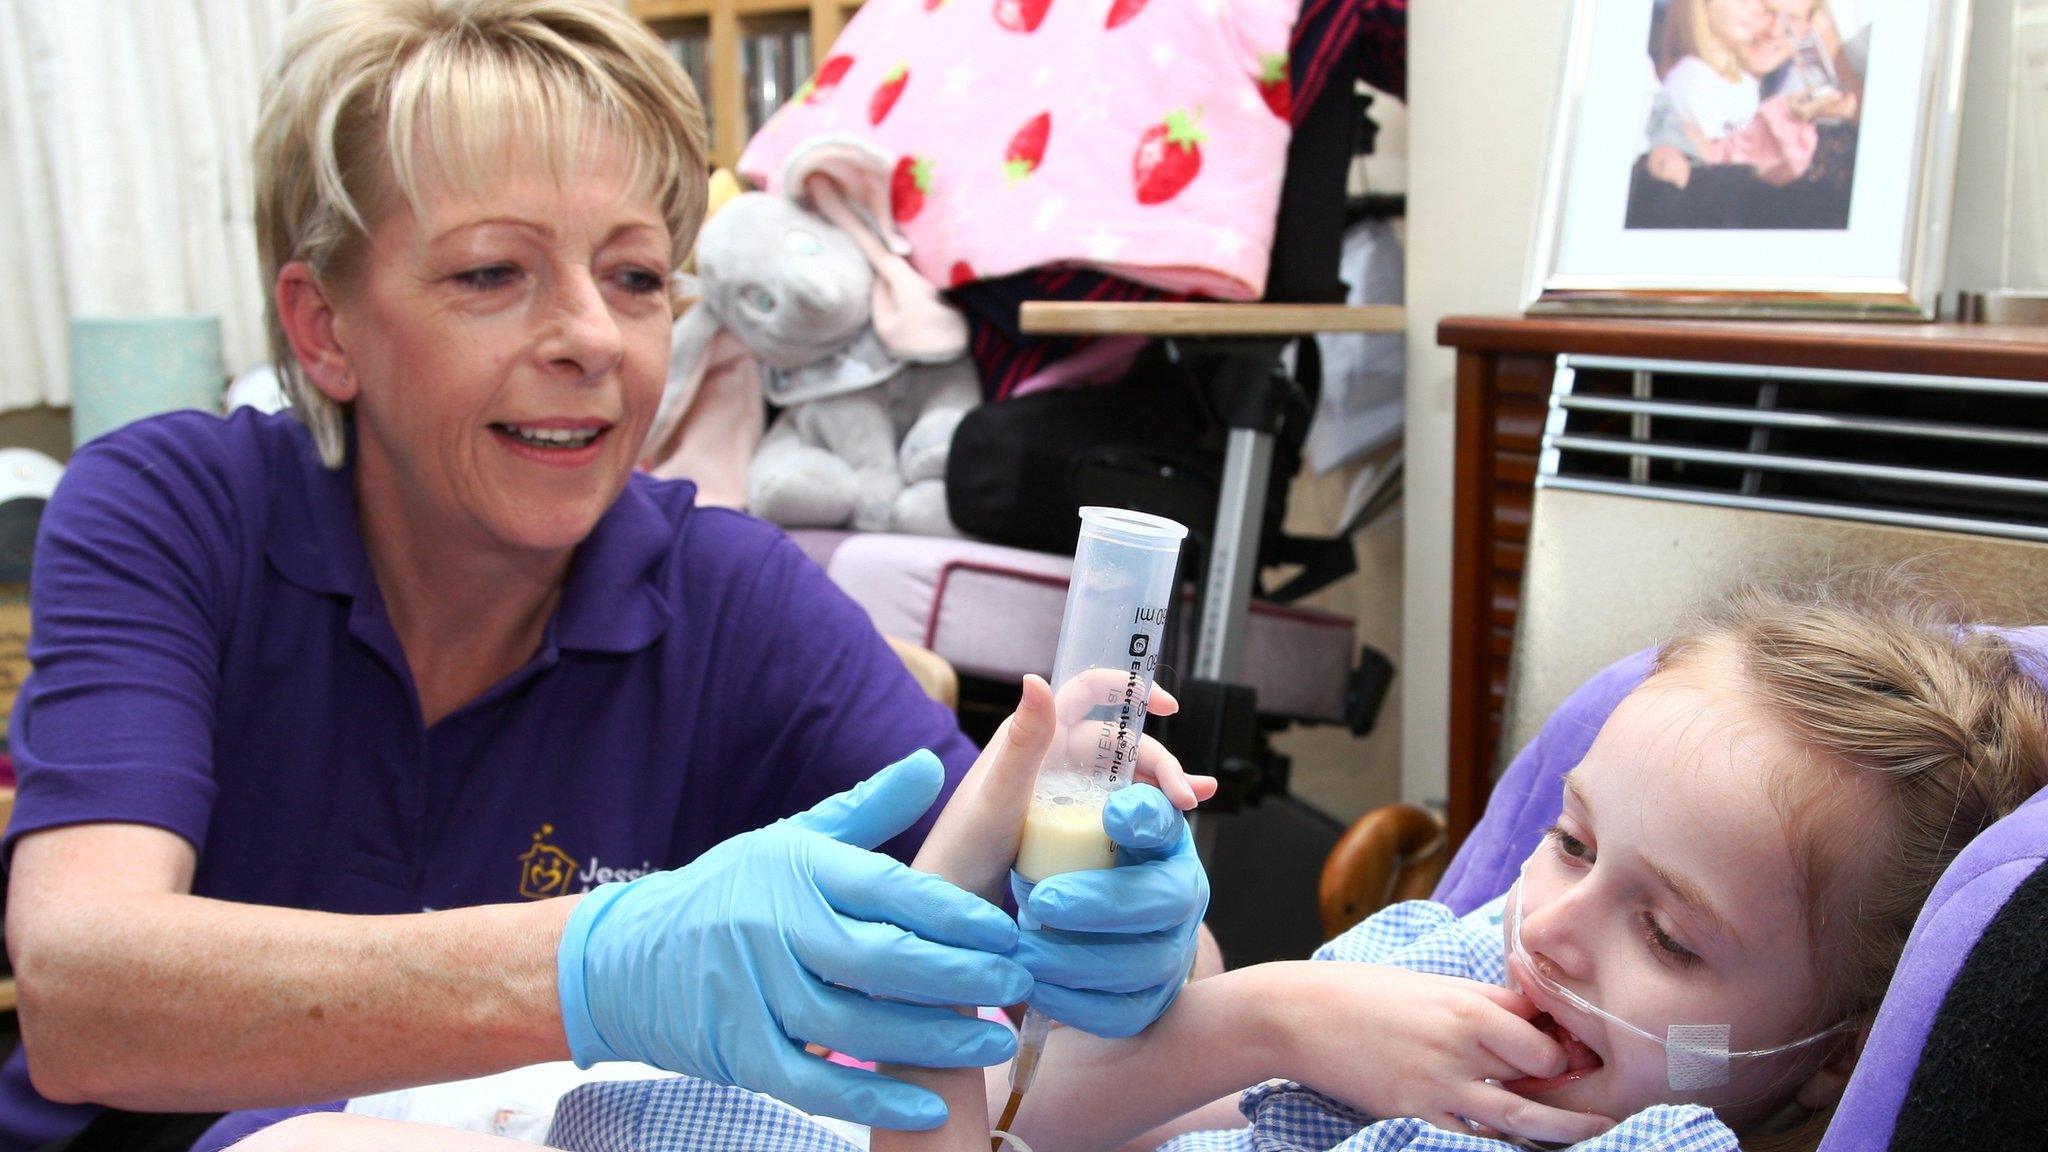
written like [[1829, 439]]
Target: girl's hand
[[1669, 165], [976, 837], [1088, 721], [1390, 1043]]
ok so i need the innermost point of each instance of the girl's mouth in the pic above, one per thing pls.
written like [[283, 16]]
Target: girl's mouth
[[1580, 1060]]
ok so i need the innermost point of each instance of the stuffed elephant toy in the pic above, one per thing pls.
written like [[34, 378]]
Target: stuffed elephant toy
[[807, 301]]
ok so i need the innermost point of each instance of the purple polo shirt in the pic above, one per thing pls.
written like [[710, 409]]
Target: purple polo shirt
[[212, 657]]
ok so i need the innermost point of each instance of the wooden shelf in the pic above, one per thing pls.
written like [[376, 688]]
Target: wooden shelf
[[722, 22], [2012, 352], [1048, 317], [662, 11]]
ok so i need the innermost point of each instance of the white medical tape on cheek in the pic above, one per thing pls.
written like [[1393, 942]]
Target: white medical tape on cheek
[[1695, 1056]]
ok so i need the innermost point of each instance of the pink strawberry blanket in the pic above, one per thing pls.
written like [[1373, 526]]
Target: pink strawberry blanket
[[1143, 137]]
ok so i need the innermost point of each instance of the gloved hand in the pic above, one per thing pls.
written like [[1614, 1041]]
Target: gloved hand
[[722, 969], [1108, 949]]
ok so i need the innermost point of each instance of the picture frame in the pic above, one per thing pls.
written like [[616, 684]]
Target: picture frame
[[1752, 158]]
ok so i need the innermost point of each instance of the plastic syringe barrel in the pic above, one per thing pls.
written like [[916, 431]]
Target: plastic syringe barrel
[[1115, 617], [1110, 633]]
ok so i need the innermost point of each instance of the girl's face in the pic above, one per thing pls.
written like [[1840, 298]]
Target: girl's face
[[1668, 893], [1735, 22]]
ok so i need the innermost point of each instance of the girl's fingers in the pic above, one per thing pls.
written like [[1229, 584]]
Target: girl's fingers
[[1528, 1051], [1031, 726], [1452, 1122], [1496, 1107], [1507, 998], [1104, 689], [1163, 770], [1161, 702]]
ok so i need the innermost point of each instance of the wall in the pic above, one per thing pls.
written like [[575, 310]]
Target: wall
[[1977, 241], [1482, 87], [1481, 77], [1342, 775]]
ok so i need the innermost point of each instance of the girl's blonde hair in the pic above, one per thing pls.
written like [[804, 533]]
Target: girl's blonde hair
[[1687, 33], [375, 97], [1877, 673]]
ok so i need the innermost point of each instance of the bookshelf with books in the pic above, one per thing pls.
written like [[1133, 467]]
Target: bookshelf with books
[[745, 56]]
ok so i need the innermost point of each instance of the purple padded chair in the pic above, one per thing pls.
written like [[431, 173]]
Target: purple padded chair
[[1976, 964]]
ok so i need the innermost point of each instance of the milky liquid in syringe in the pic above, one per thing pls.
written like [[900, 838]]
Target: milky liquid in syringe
[[1063, 829]]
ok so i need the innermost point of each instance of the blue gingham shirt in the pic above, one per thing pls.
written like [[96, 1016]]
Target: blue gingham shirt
[[687, 1114]]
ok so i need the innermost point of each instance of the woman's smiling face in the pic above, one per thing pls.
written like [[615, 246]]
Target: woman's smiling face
[[1669, 893], [507, 348]]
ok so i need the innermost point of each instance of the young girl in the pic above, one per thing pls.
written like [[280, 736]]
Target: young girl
[[1746, 844]]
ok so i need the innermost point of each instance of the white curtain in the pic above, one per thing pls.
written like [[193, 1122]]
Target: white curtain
[[124, 173]]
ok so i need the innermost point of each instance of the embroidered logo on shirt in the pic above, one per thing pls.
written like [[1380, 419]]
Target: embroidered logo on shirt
[[545, 870]]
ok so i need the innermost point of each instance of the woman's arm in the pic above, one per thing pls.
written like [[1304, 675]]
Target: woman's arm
[[136, 994]]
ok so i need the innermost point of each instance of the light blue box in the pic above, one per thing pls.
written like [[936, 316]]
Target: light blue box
[[124, 368]]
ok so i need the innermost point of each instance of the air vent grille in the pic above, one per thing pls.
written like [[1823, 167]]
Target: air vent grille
[[1956, 454]]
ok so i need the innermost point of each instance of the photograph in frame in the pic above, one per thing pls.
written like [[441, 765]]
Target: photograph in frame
[[1790, 158]]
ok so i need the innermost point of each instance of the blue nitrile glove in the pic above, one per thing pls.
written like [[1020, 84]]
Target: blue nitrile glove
[[722, 969], [1109, 948]]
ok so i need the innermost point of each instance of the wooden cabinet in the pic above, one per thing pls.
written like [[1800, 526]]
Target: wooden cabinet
[[724, 27], [1504, 373]]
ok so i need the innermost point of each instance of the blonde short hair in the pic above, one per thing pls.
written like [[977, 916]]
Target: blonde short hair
[[372, 97]]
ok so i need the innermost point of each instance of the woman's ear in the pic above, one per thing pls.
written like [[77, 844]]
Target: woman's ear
[[1824, 1088], [308, 319]]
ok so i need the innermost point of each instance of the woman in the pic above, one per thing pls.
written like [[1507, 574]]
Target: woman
[[334, 721]]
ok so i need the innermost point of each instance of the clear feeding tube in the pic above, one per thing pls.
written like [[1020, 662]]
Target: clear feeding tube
[[1115, 617]]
